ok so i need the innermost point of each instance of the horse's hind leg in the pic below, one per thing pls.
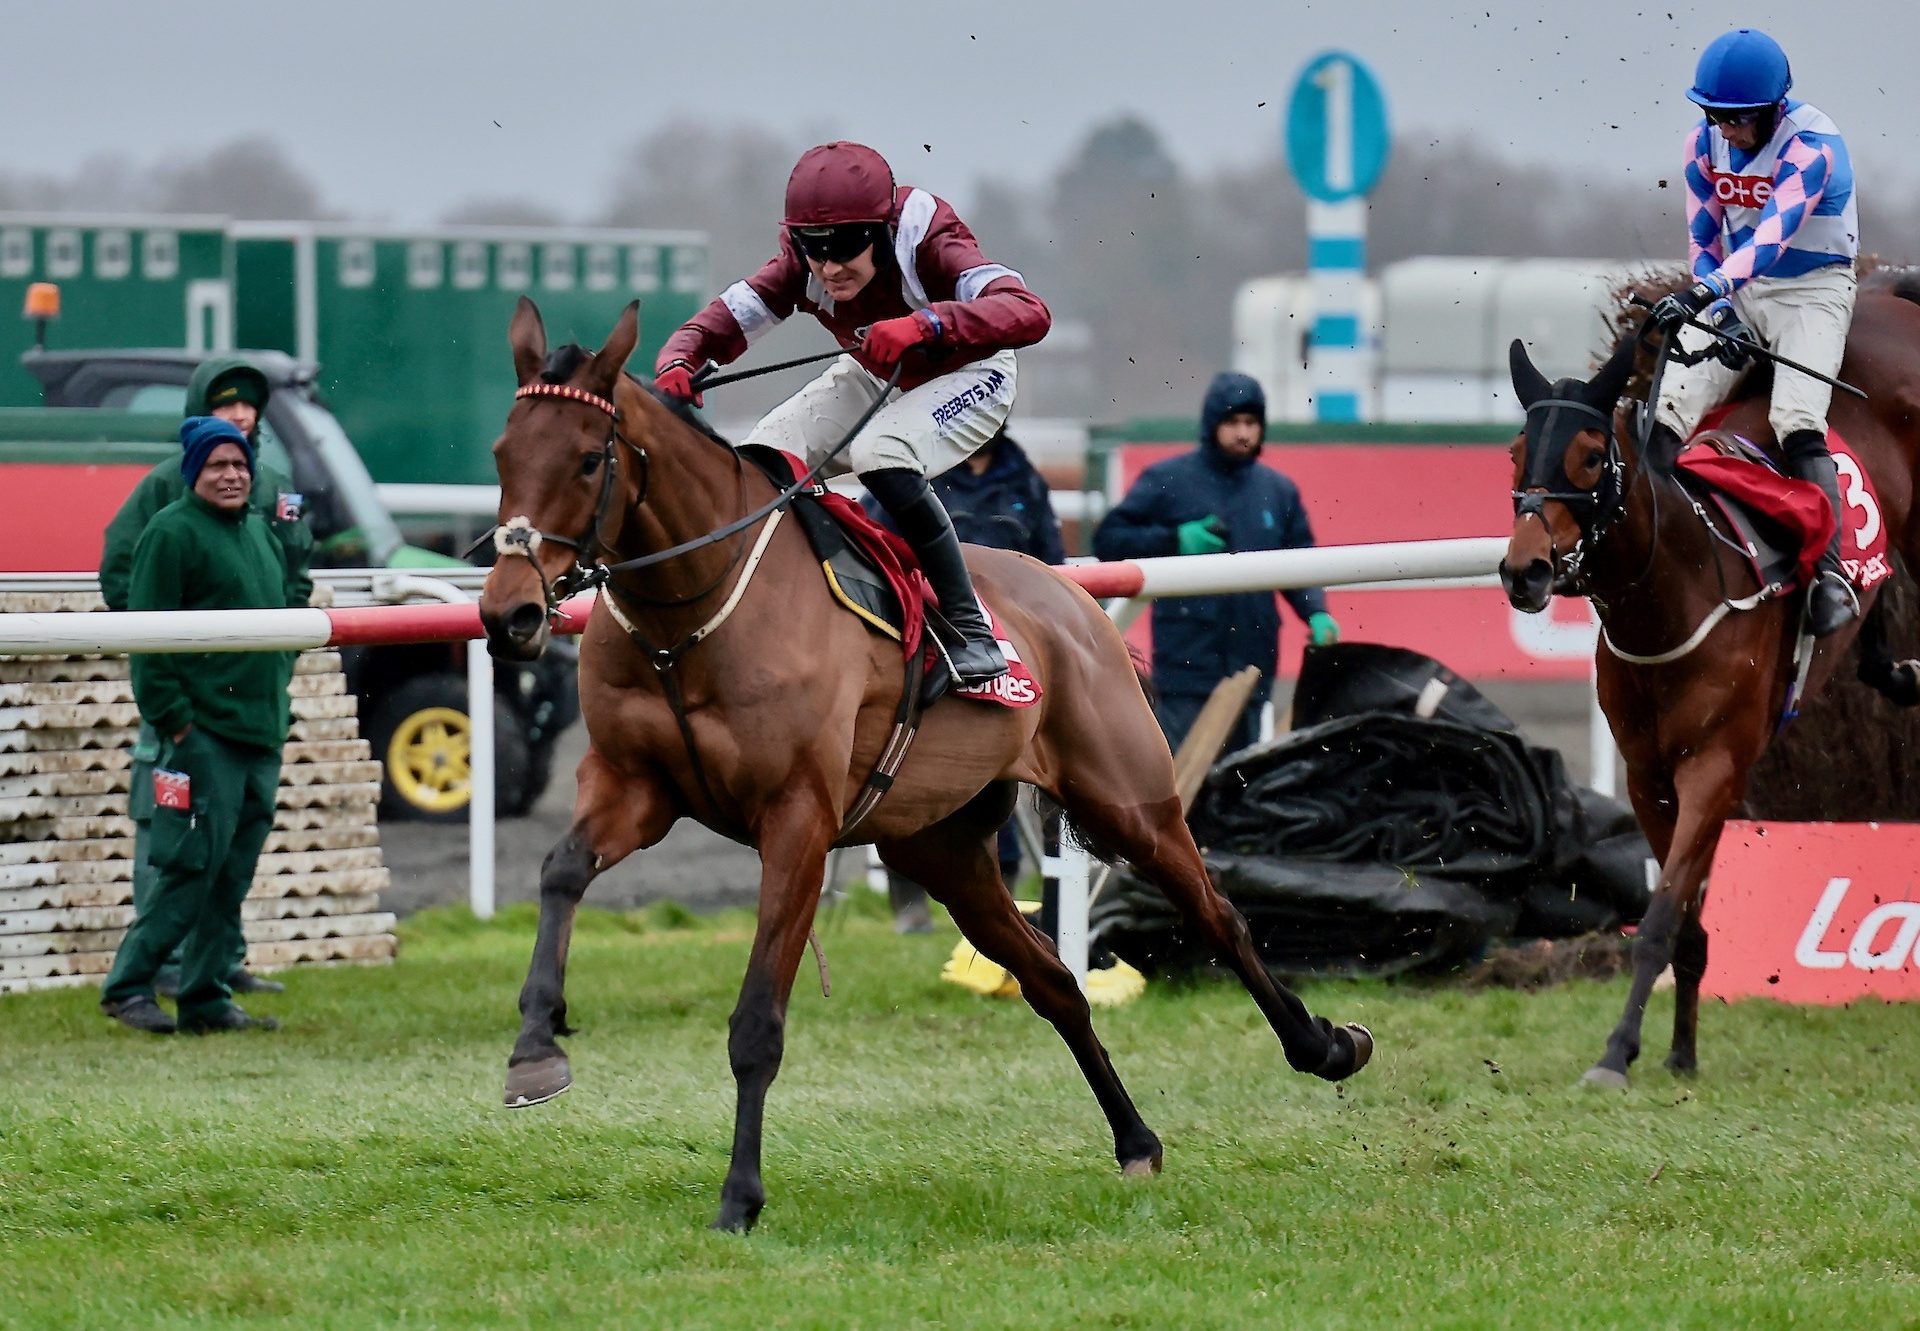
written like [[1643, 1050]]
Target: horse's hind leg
[[952, 860], [1153, 837], [613, 816]]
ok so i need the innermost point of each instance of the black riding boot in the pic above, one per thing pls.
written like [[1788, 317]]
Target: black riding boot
[[1830, 601], [917, 511]]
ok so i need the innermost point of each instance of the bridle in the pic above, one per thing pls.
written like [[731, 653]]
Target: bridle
[[518, 536]]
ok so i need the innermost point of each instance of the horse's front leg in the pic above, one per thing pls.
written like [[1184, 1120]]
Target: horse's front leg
[[613, 816], [793, 840], [1705, 789]]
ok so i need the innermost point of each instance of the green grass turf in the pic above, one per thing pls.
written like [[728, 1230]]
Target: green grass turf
[[933, 1158]]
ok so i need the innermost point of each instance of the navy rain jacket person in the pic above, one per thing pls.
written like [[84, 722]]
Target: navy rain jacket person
[[1200, 640]]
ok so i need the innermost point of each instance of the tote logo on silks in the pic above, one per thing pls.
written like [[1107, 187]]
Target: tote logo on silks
[[172, 790], [289, 505]]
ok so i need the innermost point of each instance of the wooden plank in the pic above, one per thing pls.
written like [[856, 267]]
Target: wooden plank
[[78, 716], [329, 796], [268, 952], [322, 728], [48, 603], [328, 751], [363, 772], [325, 838], [40, 808], [24, 763], [67, 828], [276, 887], [31, 852], [33, 669], [67, 920], [62, 783], [57, 740], [58, 872], [328, 709]]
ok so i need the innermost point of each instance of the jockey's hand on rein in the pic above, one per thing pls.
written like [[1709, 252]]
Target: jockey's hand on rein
[[1676, 307], [1726, 348], [676, 381], [890, 339]]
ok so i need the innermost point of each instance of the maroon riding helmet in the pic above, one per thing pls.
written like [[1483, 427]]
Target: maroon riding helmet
[[839, 201]]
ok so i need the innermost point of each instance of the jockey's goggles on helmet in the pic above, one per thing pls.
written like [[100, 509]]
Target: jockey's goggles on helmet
[[1735, 116], [836, 244]]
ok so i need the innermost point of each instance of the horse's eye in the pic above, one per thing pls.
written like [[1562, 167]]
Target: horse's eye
[[1596, 457], [590, 464]]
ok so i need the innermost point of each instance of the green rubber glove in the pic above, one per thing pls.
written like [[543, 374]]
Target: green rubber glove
[[1324, 628], [1202, 536]]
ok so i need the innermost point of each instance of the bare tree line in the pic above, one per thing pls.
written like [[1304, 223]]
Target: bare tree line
[[1138, 256]]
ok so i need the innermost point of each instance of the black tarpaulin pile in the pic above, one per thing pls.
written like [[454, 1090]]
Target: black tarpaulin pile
[[1403, 824]]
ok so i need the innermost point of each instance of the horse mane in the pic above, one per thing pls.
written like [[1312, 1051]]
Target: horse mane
[[564, 362]]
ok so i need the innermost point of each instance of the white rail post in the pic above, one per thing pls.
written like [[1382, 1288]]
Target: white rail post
[[389, 586], [1602, 757], [480, 765]]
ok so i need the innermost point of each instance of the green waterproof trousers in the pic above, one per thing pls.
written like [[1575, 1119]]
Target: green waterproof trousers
[[202, 863]]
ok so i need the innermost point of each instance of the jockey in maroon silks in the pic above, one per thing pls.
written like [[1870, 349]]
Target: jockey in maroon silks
[[888, 270]]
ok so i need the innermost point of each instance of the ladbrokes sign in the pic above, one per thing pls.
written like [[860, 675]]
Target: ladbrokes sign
[[1815, 912]]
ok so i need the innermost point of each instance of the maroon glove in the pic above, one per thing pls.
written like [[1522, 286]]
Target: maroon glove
[[676, 381], [890, 339]]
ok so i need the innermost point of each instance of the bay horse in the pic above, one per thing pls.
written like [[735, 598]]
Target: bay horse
[[766, 726], [1692, 684]]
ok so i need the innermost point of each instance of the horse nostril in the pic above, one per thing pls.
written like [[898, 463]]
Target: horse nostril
[[525, 621]]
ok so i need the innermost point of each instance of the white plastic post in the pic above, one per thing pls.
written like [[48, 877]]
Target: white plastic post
[[1072, 869], [394, 586], [480, 766], [1603, 757]]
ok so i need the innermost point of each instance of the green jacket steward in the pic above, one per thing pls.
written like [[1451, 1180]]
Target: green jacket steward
[[218, 380]]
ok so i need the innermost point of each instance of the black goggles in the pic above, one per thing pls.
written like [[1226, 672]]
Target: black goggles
[[1735, 116], [836, 244]]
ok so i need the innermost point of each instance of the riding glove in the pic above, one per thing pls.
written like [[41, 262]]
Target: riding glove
[[1675, 308], [676, 381], [1324, 629], [1727, 322], [890, 339], [1202, 536]]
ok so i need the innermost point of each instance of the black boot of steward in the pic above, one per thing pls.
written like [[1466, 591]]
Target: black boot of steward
[[1831, 604], [917, 511]]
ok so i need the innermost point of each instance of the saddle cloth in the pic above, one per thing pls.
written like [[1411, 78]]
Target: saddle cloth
[[1784, 524], [872, 573]]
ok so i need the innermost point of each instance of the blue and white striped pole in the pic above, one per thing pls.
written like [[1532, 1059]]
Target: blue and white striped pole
[[1337, 141], [1340, 355]]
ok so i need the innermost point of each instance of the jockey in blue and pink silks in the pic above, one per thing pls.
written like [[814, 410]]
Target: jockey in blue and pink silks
[[1772, 233]]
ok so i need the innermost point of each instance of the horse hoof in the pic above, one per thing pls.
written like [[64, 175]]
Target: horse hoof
[[1339, 1068], [735, 1219], [1604, 1078], [537, 1082], [1141, 1168], [1682, 1065], [1362, 1045]]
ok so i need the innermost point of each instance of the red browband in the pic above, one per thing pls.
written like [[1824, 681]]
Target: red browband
[[566, 391]]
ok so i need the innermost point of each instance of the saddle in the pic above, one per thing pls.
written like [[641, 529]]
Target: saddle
[[872, 574], [1779, 524]]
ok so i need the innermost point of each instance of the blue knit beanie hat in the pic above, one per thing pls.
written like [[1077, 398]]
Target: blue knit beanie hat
[[200, 435]]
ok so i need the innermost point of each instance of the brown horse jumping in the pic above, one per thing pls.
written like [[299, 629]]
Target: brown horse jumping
[[1594, 518], [766, 729]]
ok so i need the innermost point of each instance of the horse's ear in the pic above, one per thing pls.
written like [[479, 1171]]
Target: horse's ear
[[1529, 385], [527, 335], [1605, 388], [611, 360]]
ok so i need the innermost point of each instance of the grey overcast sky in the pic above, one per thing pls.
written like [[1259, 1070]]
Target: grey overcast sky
[[400, 109]]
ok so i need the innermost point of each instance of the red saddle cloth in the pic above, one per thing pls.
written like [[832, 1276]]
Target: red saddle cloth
[[894, 560], [1800, 507]]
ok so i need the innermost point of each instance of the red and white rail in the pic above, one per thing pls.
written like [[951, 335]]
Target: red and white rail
[[453, 618]]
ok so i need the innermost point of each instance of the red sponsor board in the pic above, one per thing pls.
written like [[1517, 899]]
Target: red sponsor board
[[53, 516], [1362, 494], [1815, 912]]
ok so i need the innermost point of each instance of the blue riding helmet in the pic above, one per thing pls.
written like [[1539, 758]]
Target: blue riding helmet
[[1741, 68]]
